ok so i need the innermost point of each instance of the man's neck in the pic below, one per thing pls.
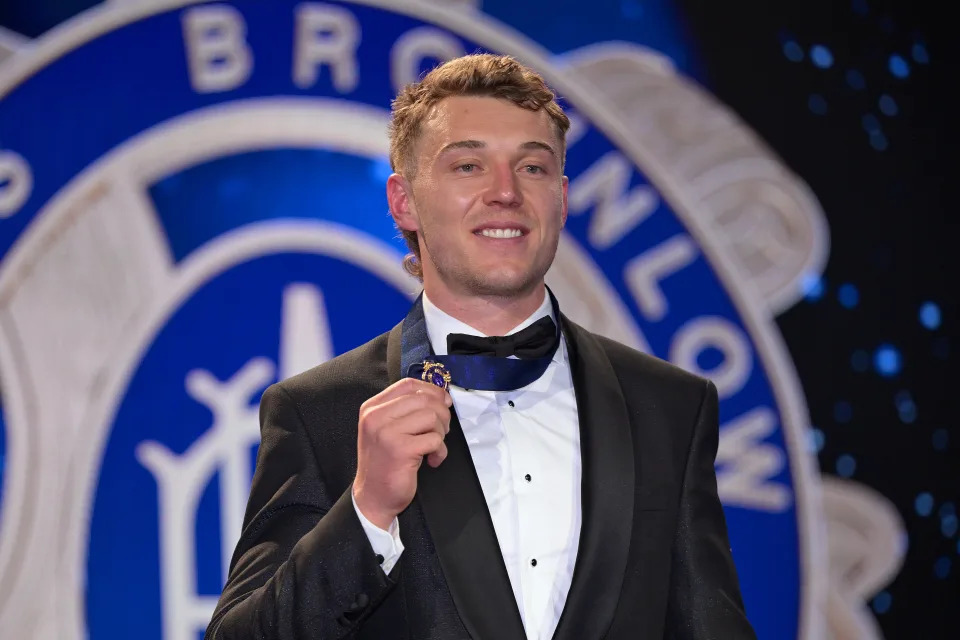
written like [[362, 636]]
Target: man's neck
[[492, 315]]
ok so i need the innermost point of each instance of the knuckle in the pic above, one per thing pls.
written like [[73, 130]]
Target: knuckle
[[369, 422], [418, 399]]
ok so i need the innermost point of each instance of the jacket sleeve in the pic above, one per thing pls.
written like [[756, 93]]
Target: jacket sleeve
[[303, 567], [704, 598]]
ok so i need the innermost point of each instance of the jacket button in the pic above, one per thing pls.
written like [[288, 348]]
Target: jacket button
[[361, 601]]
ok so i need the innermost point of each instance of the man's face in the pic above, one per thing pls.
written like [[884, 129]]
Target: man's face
[[488, 199]]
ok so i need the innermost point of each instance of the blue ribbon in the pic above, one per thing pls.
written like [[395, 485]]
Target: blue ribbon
[[487, 373]]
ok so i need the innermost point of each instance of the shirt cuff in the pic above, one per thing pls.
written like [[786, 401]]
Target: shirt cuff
[[385, 543]]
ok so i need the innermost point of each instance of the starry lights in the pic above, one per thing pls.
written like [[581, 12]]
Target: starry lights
[[897, 67], [890, 357], [888, 106], [940, 439], [846, 466], [946, 517], [930, 315], [882, 602], [816, 440], [942, 567], [848, 296], [885, 360], [949, 527], [906, 408], [855, 80], [821, 56]]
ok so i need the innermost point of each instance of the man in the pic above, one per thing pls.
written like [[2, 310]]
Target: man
[[569, 489]]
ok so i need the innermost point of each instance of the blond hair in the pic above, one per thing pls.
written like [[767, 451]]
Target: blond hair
[[474, 75]]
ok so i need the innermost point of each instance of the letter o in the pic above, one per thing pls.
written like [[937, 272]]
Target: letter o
[[715, 332], [416, 45], [16, 183]]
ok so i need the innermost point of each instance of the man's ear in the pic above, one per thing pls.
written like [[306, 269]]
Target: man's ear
[[400, 199]]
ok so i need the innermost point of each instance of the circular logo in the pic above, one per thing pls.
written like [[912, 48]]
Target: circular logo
[[217, 222]]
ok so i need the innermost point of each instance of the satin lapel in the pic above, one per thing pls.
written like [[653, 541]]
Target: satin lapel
[[607, 490], [463, 535]]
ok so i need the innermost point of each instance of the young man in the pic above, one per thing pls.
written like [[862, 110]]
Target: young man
[[569, 490]]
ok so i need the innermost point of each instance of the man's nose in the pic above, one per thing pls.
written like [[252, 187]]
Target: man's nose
[[503, 189]]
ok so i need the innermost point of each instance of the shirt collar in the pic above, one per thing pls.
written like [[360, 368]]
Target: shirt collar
[[440, 324]]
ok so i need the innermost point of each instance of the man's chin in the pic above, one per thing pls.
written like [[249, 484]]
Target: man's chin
[[504, 284]]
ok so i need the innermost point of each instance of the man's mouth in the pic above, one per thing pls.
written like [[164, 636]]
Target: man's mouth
[[500, 233]]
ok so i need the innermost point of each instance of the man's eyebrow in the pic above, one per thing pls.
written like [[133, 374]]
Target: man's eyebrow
[[462, 144], [535, 145], [532, 145]]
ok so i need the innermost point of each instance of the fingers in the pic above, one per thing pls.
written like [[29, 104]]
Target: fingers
[[435, 458], [400, 408], [423, 422], [409, 386], [418, 434], [430, 445], [409, 413]]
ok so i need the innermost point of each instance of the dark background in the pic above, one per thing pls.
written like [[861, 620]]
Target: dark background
[[876, 341], [894, 231]]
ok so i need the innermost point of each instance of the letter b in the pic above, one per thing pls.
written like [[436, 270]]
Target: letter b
[[218, 55]]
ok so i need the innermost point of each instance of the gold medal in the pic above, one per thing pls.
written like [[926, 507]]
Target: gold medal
[[436, 374]]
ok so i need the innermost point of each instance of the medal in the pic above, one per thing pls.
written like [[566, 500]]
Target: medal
[[436, 374]]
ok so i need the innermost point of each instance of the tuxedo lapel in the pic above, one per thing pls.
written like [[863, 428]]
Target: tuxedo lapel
[[462, 532], [607, 490]]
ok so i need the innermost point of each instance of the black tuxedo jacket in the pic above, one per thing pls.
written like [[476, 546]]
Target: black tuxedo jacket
[[653, 561]]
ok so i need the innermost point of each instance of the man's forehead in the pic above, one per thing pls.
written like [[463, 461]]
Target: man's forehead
[[475, 112], [470, 117]]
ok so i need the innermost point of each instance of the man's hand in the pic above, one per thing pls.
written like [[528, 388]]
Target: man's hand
[[398, 426]]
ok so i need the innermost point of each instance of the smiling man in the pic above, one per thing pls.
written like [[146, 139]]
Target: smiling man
[[487, 469]]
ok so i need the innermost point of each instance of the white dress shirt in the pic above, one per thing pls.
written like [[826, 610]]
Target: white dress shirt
[[525, 446]]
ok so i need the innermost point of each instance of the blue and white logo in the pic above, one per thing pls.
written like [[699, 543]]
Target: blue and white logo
[[217, 222]]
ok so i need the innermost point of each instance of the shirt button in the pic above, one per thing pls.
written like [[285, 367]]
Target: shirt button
[[533, 562], [510, 402], [527, 477]]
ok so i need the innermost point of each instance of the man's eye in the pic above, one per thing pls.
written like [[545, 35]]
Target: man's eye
[[534, 169], [466, 168]]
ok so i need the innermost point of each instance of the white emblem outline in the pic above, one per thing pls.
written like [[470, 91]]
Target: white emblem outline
[[771, 350]]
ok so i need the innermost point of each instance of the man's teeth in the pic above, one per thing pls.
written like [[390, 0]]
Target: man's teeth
[[501, 233]]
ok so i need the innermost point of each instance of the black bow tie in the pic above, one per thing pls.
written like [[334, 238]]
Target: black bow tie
[[536, 341]]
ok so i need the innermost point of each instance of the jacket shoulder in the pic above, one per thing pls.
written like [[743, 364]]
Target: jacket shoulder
[[333, 391], [361, 367], [634, 367]]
